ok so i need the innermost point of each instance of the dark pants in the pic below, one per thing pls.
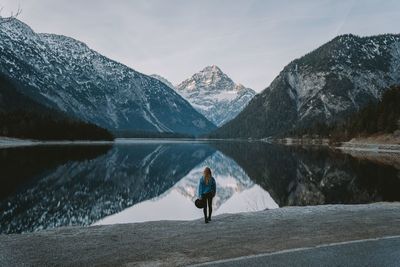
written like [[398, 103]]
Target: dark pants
[[208, 201]]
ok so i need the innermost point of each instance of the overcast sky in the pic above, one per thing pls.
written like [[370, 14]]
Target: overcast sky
[[251, 41]]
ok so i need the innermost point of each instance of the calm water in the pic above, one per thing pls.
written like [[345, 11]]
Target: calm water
[[44, 187]]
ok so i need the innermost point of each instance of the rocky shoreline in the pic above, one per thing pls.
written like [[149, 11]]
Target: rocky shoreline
[[383, 148], [166, 243], [378, 145]]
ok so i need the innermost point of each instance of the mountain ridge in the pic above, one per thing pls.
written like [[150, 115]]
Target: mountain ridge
[[325, 85], [70, 76], [164, 80]]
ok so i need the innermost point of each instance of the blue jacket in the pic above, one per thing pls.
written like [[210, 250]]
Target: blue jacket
[[206, 188]]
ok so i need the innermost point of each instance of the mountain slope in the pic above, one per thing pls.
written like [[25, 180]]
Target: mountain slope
[[215, 95], [22, 117], [164, 80], [325, 85], [68, 75]]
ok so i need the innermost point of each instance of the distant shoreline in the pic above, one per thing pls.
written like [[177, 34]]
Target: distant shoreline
[[361, 145], [366, 147], [350, 146], [7, 142], [371, 144]]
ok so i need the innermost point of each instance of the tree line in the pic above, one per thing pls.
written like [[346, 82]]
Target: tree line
[[31, 125], [23, 117]]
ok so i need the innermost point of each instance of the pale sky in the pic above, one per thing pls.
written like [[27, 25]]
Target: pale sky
[[251, 41]]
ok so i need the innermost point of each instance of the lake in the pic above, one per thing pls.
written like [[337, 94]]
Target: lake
[[50, 186]]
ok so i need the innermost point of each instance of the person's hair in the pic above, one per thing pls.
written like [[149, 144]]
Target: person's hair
[[207, 175]]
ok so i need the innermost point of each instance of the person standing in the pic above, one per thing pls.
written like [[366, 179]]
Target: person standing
[[206, 192]]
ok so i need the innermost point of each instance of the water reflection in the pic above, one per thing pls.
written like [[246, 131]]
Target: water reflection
[[236, 193], [47, 187], [314, 176], [23, 166], [80, 192]]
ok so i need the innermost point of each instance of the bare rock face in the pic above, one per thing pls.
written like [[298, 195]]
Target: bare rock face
[[215, 95], [325, 85]]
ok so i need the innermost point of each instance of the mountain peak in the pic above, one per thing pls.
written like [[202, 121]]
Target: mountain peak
[[215, 95], [212, 68], [211, 78], [212, 74]]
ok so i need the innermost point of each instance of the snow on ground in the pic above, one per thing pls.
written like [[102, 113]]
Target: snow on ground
[[15, 142]]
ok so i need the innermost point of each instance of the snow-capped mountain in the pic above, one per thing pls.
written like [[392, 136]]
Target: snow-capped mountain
[[215, 95], [325, 85], [66, 74], [164, 80]]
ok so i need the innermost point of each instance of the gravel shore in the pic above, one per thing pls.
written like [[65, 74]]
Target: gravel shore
[[166, 243]]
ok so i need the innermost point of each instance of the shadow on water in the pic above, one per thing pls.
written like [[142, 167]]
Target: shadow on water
[[22, 166], [296, 176], [69, 188]]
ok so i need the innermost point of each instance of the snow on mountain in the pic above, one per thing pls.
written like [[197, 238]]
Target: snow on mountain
[[64, 73], [164, 80], [325, 85], [215, 95]]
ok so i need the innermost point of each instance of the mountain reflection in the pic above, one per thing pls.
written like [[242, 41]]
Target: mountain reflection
[[314, 175], [24, 165], [236, 192], [46, 187], [80, 192]]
